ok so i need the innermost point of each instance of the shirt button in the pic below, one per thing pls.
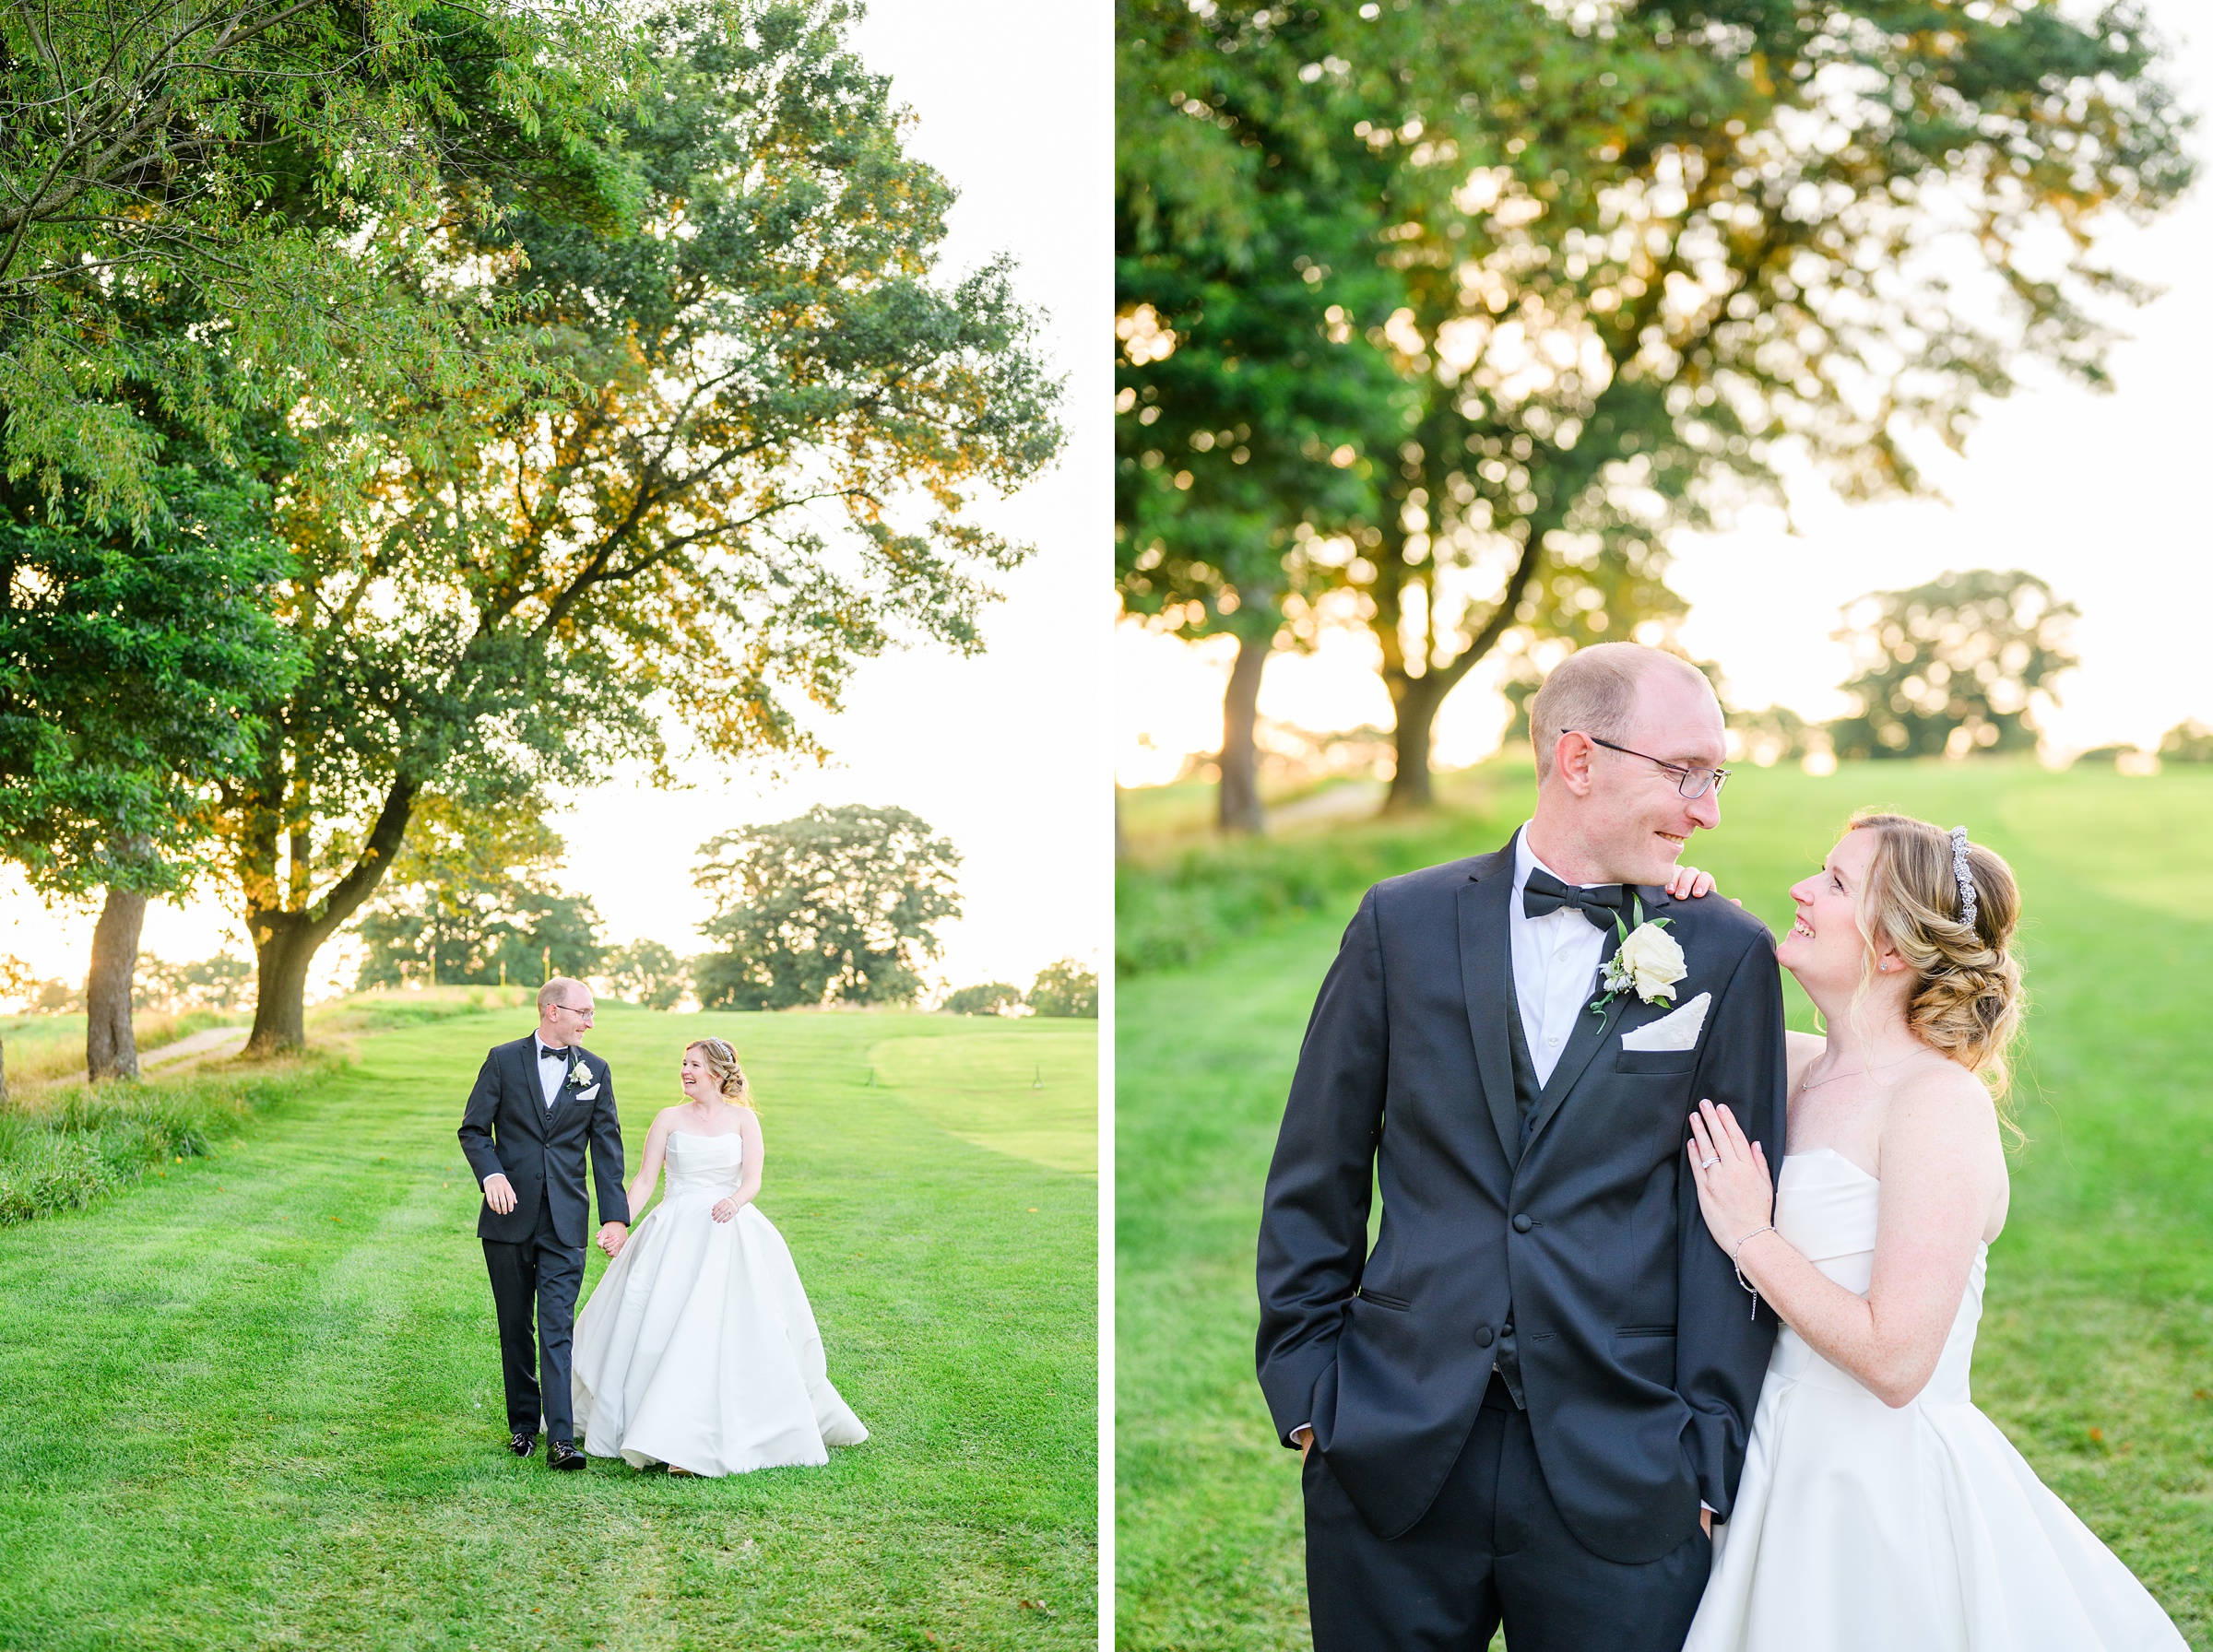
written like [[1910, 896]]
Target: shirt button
[[1551, 1038]]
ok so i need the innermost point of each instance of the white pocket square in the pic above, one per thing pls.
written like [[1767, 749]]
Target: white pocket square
[[585, 1095], [1675, 1031]]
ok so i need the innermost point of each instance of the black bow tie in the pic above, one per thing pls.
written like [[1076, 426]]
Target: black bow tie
[[1600, 903], [544, 1054]]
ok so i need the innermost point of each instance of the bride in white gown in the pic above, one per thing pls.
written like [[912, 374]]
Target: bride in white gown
[[1879, 1507], [698, 1350]]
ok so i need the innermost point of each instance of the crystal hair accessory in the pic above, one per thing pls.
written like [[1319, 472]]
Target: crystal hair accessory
[[1961, 876]]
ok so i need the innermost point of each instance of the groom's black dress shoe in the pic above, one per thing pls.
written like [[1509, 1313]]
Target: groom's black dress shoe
[[562, 1454], [521, 1444]]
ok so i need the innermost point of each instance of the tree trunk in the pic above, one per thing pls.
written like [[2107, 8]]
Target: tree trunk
[[1416, 700], [286, 942], [111, 1051], [1240, 790], [280, 983]]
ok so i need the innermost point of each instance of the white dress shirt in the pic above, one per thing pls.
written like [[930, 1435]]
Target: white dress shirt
[[550, 1074], [1556, 966]]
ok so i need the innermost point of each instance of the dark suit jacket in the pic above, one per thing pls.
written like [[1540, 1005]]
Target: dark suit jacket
[[1642, 1357], [506, 1130]]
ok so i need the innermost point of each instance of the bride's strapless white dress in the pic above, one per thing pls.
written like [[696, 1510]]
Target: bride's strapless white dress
[[698, 1348], [1918, 1530]]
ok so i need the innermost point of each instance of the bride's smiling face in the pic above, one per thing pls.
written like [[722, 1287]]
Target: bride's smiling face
[[1824, 947], [699, 1083]]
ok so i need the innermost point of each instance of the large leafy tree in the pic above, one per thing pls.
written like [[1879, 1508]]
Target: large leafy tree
[[647, 973], [1653, 256], [129, 665], [1953, 668], [226, 155], [471, 901], [774, 413], [1249, 395], [838, 905]]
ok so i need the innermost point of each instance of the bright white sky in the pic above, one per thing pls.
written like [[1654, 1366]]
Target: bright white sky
[[2104, 496], [1002, 753]]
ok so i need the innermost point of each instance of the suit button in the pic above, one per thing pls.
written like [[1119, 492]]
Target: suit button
[[1485, 1336], [1522, 1224]]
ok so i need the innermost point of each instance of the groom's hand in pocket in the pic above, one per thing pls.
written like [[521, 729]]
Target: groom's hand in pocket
[[499, 1193], [1305, 1437]]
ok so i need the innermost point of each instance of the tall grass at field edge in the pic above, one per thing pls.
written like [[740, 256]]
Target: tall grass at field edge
[[86, 1141], [1177, 902], [64, 1146]]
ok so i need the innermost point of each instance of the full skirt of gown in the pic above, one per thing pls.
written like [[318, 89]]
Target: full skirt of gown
[[1915, 1529], [698, 1348]]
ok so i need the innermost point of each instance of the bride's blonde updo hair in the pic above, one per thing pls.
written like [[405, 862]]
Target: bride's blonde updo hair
[[722, 1061], [1967, 1001]]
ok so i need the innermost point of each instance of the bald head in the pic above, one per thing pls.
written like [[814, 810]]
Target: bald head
[[1600, 690]]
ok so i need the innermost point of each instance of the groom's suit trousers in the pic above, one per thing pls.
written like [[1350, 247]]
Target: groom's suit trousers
[[1491, 1549], [539, 1278]]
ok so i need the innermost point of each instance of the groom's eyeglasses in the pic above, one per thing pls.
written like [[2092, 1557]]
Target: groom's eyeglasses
[[1691, 782]]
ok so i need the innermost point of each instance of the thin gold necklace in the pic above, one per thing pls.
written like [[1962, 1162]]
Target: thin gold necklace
[[1806, 1084]]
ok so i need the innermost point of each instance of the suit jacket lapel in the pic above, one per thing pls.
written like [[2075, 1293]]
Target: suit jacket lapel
[[1487, 981], [1590, 1030]]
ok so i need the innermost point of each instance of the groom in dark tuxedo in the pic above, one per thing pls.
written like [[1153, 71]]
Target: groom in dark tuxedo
[[538, 1102], [1529, 1401]]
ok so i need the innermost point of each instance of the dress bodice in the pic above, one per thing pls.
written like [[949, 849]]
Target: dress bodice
[[703, 1164], [1825, 1205]]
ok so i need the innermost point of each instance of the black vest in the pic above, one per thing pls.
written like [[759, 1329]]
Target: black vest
[[1527, 1093]]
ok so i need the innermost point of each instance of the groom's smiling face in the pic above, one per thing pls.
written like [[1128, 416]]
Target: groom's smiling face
[[1637, 821]]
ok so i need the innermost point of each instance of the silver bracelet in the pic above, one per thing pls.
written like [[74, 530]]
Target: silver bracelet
[[1750, 1288]]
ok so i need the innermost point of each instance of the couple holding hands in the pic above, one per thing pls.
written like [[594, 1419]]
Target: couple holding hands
[[698, 1350], [1663, 1341]]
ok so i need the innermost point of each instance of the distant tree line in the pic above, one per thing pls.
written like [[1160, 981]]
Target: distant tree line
[[836, 906], [1062, 989]]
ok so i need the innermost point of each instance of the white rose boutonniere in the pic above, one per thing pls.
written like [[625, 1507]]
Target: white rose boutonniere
[[1648, 961], [581, 1075]]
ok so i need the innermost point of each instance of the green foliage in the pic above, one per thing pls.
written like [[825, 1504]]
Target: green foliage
[[1245, 284], [1065, 989], [128, 666], [222, 155], [1952, 666], [471, 902], [838, 905], [993, 998], [647, 974]]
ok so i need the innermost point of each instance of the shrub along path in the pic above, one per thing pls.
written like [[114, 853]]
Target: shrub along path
[[2096, 1353], [256, 1402]]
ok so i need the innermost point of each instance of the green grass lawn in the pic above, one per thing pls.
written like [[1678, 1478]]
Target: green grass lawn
[[256, 1402], [2096, 1355]]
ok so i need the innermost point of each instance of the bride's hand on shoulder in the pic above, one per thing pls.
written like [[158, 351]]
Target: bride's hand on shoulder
[[1689, 883], [1736, 1194]]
